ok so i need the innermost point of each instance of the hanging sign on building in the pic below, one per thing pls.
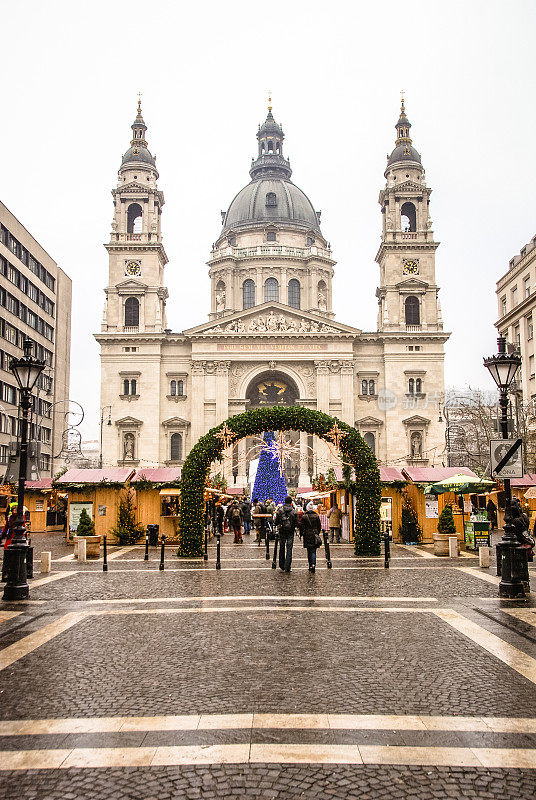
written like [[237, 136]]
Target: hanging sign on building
[[506, 458]]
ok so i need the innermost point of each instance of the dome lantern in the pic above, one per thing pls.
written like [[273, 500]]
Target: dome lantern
[[404, 150]]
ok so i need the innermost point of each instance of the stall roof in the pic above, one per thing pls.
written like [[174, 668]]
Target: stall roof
[[391, 474], [529, 479], [435, 474], [157, 474], [109, 475], [42, 485]]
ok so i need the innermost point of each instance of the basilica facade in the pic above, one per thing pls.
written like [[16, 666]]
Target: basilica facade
[[271, 335]]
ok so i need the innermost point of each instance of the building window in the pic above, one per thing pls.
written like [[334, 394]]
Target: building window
[[503, 306], [364, 387], [416, 444], [134, 218], [180, 388], [514, 296], [370, 440], [527, 286], [418, 386], [176, 447], [248, 294], [531, 366], [408, 221], [517, 336], [173, 388], [130, 386], [412, 310], [271, 200], [132, 312], [294, 291], [310, 241], [271, 236], [271, 290], [411, 386], [371, 388]]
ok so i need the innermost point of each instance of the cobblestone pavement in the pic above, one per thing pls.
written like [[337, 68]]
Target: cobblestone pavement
[[412, 682]]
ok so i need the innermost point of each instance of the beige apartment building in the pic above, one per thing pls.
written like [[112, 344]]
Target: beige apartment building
[[35, 302], [516, 296], [271, 336]]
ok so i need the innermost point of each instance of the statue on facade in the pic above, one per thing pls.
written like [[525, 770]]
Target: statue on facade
[[271, 322], [304, 326], [261, 325], [322, 300], [282, 323], [128, 446], [416, 445], [220, 301], [253, 327]]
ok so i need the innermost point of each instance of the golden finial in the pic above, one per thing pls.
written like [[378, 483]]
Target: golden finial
[[402, 107], [269, 102], [139, 104]]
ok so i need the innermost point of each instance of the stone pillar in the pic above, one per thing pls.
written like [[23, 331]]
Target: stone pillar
[[222, 390], [322, 404], [198, 401], [303, 478], [241, 478], [347, 392]]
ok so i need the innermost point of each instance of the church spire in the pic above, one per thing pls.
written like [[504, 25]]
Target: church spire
[[402, 126], [404, 150], [270, 161], [139, 127]]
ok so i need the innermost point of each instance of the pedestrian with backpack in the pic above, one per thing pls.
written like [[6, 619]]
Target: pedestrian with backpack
[[286, 521], [234, 515], [246, 514], [311, 532]]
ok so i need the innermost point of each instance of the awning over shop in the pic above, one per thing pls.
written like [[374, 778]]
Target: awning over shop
[[157, 474], [173, 491]]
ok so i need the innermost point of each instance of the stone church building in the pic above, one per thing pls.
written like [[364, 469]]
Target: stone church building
[[271, 337]]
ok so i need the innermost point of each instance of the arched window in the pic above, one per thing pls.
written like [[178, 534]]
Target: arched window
[[173, 388], [412, 310], [408, 221], [130, 386], [271, 200], [411, 386], [134, 218], [248, 294], [271, 290], [370, 440], [180, 388], [371, 388], [176, 447], [132, 312], [294, 291], [418, 386], [126, 386], [364, 387]]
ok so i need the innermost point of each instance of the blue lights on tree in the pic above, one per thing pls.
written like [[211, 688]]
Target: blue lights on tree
[[269, 482]]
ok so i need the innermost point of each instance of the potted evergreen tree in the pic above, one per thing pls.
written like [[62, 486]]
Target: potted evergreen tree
[[86, 529], [127, 531], [446, 528]]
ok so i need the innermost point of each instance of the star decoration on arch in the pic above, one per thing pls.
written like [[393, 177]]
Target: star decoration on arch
[[281, 449], [335, 435], [226, 435]]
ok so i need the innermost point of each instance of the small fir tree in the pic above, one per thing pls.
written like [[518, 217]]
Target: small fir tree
[[445, 523], [410, 530], [127, 530], [86, 526]]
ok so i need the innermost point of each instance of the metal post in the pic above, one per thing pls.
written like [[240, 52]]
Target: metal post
[[161, 567], [387, 549], [274, 560], [104, 555], [326, 548], [205, 554], [218, 561], [146, 556], [267, 544], [16, 587]]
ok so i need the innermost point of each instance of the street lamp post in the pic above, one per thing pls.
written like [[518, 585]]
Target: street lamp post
[[26, 371], [109, 408], [503, 368]]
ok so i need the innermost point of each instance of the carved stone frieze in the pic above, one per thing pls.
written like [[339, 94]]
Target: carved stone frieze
[[272, 323]]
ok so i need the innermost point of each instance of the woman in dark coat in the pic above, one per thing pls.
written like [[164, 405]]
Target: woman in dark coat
[[310, 527]]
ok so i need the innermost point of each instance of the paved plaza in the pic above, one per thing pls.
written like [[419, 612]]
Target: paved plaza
[[412, 682]]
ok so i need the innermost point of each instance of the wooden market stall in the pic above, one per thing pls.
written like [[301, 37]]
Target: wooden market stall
[[96, 490], [158, 498], [47, 505]]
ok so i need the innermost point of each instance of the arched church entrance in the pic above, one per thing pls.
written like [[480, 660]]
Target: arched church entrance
[[366, 487]]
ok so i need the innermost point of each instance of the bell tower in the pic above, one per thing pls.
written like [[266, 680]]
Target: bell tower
[[136, 295], [407, 295]]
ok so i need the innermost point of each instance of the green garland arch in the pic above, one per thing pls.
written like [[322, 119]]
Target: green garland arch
[[209, 448]]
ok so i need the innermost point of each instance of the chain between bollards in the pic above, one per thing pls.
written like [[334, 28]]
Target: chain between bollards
[[146, 556], [162, 549], [274, 561], [387, 549], [205, 554], [326, 548], [104, 555], [218, 548]]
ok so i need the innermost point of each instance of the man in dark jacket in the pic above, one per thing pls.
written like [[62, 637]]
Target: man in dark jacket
[[246, 514], [310, 529], [286, 521]]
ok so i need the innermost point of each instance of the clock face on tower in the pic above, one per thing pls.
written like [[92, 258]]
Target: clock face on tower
[[133, 268], [411, 266]]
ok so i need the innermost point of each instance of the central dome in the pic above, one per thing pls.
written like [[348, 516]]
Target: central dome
[[271, 200], [271, 196]]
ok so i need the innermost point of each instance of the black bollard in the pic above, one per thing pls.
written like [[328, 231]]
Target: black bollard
[[205, 555], [29, 560], [267, 545], [387, 549], [326, 548], [274, 561], [146, 556], [162, 549], [218, 562], [104, 555]]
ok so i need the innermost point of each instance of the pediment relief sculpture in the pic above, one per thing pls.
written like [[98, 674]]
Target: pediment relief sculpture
[[273, 323]]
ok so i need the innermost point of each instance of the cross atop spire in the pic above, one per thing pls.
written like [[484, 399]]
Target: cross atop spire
[[269, 102]]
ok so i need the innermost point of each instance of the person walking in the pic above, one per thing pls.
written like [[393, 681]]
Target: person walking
[[234, 520], [220, 516], [286, 521], [311, 533], [246, 515], [335, 521], [260, 522], [270, 509], [491, 508]]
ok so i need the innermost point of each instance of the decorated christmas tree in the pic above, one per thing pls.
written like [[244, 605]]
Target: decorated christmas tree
[[270, 481]]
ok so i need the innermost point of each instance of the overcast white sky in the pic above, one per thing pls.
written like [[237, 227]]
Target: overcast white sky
[[70, 77]]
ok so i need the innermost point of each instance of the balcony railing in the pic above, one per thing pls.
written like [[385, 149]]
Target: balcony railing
[[413, 328], [271, 250], [131, 329]]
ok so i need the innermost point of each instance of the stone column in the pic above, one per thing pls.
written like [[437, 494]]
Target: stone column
[[241, 478], [303, 478], [198, 400], [347, 392], [322, 404], [222, 390]]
